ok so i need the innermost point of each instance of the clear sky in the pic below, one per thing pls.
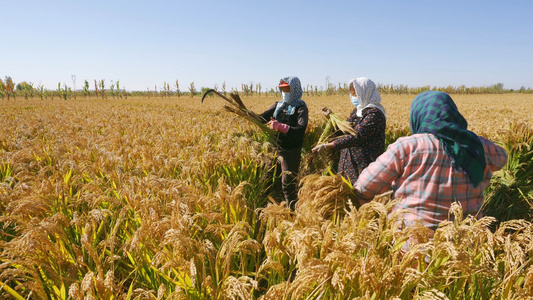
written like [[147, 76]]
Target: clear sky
[[146, 43]]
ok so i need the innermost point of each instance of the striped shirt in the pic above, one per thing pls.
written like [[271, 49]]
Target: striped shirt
[[421, 174]]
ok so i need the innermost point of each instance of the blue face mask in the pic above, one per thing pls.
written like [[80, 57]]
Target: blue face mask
[[355, 100]]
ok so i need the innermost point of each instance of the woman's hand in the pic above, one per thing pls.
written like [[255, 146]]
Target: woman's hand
[[322, 147], [274, 124]]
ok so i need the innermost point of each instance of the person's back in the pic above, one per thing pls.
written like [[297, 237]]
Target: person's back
[[442, 162], [423, 177]]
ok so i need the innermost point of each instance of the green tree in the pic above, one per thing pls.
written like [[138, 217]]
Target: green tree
[[498, 87], [23, 86], [27, 88]]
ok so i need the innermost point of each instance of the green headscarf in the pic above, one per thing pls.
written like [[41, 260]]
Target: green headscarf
[[436, 113]]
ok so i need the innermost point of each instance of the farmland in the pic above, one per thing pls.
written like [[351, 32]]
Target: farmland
[[163, 198]]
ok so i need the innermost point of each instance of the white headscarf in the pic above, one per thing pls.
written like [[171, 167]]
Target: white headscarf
[[368, 95]]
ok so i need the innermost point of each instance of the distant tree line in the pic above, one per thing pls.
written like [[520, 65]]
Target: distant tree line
[[112, 90]]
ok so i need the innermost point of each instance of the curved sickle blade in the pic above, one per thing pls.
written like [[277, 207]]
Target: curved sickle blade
[[209, 91]]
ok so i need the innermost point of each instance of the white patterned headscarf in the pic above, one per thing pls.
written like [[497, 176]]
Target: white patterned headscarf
[[295, 100], [368, 95]]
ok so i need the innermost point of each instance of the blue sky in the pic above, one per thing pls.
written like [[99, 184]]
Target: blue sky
[[147, 43]]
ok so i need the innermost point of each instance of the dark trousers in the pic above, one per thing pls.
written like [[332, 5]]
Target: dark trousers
[[288, 162]]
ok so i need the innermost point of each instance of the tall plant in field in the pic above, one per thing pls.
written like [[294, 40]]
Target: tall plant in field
[[119, 95], [2, 88], [86, 91], [167, 89], [41, 91], [8, 87], [103, 92], [245, 89], [192, 89], [96, 89], [177, 88], [64, 92], [112, 89]]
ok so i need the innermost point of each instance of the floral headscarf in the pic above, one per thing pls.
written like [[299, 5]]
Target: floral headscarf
[[295, 97], [368, 95]]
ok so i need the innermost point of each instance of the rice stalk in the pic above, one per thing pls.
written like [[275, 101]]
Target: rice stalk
[[237, 107], [333, 127]]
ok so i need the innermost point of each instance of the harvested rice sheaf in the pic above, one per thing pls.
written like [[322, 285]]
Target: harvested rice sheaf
[[335, 126]]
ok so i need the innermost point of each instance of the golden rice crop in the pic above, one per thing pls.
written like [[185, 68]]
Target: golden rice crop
[[163, 199]]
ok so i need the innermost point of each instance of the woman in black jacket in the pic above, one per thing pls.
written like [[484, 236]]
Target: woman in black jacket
[[289, 116]]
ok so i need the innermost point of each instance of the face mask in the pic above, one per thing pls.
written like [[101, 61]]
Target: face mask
[[286, 96], [354, 100]]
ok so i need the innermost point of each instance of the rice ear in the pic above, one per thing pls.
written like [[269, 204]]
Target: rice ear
[[237, 107], [342, 125], [334, 124], [237, 100]]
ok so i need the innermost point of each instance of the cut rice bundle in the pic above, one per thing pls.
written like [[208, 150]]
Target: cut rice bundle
[[334, 125], [237, 107]]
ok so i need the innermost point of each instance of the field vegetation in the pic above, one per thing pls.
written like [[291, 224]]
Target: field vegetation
[[143, 197], [102, 89]]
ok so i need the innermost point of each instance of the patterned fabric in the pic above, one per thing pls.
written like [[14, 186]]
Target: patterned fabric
[[358, 151], [368, 95], [436, 113], [295, 97], [421, 174]]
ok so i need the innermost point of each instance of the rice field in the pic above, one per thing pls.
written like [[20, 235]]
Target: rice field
[[166, 199]]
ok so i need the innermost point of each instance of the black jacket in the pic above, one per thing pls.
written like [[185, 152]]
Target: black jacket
[[297, 121]]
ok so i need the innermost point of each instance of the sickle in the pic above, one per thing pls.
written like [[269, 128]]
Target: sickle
[[209, 91]]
